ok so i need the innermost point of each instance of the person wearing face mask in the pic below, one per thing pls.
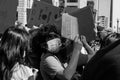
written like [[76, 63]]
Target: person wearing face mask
[[52, 63]]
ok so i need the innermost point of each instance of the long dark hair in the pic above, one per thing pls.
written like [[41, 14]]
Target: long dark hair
[[13, 44], [42, 35]]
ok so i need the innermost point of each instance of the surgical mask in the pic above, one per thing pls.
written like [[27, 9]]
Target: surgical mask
[[54, 45]]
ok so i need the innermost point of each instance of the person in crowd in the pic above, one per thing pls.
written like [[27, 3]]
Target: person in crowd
[[13, 49], [42, 35], [104, 65], [87, 47], [106, 36], [35, 54], [51, 67], [47, 31], [35, 40], [56, 63]]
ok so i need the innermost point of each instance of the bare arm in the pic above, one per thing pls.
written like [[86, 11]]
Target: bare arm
[[88, 48], [68, 72]]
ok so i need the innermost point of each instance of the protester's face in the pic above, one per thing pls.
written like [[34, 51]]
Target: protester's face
[[54, 45]]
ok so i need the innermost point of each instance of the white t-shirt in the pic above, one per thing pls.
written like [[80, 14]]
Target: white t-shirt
[[49, 66], [22, 72], [56, 3]]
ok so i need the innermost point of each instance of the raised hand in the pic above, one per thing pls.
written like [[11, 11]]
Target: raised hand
[[77, 43], [83, 39]]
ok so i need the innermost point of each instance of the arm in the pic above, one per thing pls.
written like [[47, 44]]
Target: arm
[[68, 72], [89, 50], [53, 67]]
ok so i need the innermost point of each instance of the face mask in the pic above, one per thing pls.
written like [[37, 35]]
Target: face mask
[[54, 45]]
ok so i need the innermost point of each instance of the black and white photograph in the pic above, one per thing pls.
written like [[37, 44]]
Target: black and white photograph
[[59, 39]]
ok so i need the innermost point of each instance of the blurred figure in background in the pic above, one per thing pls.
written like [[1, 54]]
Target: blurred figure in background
[[106, 36], [104, 65]]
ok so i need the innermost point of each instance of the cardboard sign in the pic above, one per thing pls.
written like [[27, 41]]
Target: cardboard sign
[[69, 26], [7, 13], [43, 13], [85, 22]]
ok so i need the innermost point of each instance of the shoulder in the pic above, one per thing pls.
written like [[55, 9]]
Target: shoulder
[[22, 72], [50, 60], [51, 63]]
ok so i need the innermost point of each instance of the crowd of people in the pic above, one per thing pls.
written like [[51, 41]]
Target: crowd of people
[[41, 53]]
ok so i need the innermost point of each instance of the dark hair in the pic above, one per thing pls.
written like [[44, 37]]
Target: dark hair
[[108, 41], [41, 35], [13, 44], [38, 37], [48, 28]]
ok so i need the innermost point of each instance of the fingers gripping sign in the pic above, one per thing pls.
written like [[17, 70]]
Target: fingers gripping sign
[[77, 43], [83, 39]]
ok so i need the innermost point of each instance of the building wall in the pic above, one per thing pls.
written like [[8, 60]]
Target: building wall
[[116, 15], [104, 9], [77, 3], [103, 21], [23, 5]]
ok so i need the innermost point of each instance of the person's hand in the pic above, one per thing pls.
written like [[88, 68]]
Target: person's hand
[[77, 43], [83, 39]]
